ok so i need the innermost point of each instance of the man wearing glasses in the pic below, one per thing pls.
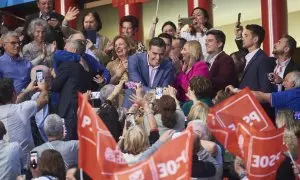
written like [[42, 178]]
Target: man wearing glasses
[[11, 64]]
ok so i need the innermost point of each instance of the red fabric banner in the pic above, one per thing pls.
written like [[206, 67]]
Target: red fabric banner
[[100, 157], [260, 160], [240, 124], [117, 3]]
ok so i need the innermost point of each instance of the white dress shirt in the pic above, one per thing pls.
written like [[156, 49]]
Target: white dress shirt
[[152, 72], [249, 56]]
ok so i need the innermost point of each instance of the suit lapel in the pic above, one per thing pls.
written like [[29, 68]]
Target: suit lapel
[[250, 63], [289, 68], [158, 75], [145, 69]]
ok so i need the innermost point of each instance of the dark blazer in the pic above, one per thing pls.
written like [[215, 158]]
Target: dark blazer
[[55, 34], [138, 71], [255, 75], [222, 72], [71, 78]]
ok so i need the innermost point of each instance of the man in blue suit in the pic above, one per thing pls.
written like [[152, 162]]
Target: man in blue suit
[[258, 64], [151, 69]]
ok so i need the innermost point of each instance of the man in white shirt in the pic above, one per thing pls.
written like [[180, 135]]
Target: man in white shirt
[[16, 117]]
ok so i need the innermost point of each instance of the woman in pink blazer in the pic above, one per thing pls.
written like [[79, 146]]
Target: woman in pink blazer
[[192, 66]]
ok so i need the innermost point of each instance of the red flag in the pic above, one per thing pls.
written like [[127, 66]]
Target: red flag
[[243, 108], [100, 157], [117, 3], [262, 151]]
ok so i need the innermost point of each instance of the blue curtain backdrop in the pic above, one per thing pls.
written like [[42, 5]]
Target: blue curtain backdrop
[[6, 3]]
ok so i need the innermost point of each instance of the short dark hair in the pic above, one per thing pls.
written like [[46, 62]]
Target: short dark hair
[[170, 23], [182, 42], [2, 130], [157, 42], [97, 18], [201, 86], [132, 19], [165, 35], [6, 90], [167, 107], [219, 35], [292, 43], [258, 31]]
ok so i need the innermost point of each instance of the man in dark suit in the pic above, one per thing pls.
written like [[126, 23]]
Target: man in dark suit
[[258, 64], [221, 65], [150, 68], [71, 77], [283, 51]]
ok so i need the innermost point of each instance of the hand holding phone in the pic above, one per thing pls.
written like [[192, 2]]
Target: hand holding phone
[[238, 24], [33, 159]]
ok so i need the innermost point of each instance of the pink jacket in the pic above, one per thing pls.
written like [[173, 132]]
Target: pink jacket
[[182, 80]]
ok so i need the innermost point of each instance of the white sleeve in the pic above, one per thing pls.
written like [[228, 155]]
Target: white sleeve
[[26, 110]]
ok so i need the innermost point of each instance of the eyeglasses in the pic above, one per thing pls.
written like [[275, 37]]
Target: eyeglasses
[[14, 43]]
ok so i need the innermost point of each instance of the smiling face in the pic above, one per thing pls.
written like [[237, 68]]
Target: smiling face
[[156, 55], [12, 46], [185, 53], [45, 6], [169, 30], [39, 34], [127, 29], [121, 48]]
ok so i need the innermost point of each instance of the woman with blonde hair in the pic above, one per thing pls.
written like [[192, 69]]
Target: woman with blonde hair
[[291, 133], [199, 110], [135, 143], [193, 65]]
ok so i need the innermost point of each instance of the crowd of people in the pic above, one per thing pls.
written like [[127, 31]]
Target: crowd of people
[[144, 93]]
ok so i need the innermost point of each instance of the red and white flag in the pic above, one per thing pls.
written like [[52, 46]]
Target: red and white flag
[[100, 157]]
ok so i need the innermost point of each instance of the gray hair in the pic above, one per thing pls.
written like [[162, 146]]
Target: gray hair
[[5, 36], [54, 126], [79, 45], [200, 128], [295, 77], [37, 22]]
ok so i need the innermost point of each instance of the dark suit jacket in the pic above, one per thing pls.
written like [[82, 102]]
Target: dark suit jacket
[[255, 75], [292, 66], [222, 72], [71, 78], [138, 71], [55, 34]]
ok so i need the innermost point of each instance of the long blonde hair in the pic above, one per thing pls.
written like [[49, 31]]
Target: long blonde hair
[[195, 49], [199, 110], [286, 117]]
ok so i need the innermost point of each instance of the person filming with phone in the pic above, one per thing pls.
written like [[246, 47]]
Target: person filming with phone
[[197, 29]]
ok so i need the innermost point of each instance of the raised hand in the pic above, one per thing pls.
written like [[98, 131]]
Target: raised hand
[[71, 14]]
